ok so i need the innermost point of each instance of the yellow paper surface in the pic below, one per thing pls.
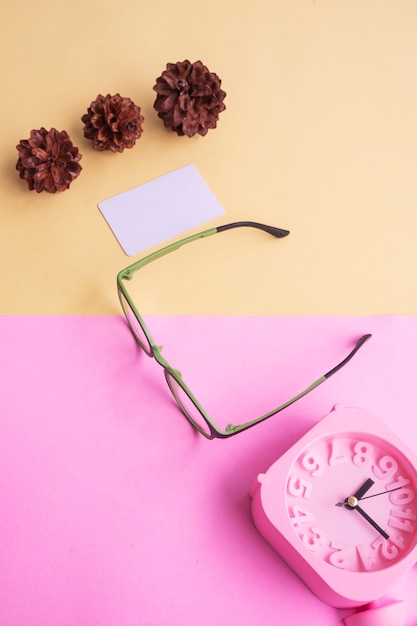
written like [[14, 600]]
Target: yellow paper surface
[[319, 136]]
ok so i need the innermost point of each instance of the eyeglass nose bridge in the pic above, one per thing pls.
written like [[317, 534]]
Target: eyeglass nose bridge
[[157, 354]]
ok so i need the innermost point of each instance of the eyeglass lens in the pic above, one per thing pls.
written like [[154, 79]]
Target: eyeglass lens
[[134, 324], [184, 402], [186, 405]]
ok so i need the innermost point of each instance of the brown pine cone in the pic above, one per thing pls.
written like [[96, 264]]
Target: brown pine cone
[[189, 98], [113, 123], [48, 161]]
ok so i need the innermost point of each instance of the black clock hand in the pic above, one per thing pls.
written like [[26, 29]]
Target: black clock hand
[[359, 493], [362, 490], [371, 521], [381, 493]]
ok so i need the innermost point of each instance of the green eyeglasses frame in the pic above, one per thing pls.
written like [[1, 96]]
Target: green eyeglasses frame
[[185, 399]]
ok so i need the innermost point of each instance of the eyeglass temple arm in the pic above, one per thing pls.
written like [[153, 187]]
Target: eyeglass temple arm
[[272, 230], [233, 429], [128, 272], [351, 354]]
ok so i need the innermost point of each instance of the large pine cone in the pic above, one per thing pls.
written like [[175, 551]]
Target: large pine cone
[[113, 123], [48, 161], [189, 98]]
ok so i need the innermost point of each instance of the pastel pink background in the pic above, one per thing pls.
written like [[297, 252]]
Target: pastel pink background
[[115, 513]]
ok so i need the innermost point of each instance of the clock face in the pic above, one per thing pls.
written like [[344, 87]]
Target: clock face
[[351, 499]]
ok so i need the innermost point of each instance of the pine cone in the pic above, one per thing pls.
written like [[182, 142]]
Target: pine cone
[[113, 123], [189, 98], [48, 161]]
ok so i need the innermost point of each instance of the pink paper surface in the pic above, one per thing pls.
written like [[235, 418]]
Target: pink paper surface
[[114, 512]]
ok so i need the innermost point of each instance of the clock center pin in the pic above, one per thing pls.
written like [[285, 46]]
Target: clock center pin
[[352, 501]]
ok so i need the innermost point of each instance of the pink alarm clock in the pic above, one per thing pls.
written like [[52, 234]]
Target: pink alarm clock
[[340, 507]]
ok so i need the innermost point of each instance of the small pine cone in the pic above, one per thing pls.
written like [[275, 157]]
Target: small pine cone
[[113, 123], [189, 98], [48, 161]]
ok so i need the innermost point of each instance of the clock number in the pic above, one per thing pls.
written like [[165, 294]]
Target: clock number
[[336, 457], [367, 560], [401, 496], [313, 463], [385, 468], [401, 520], [299, 488], [314, 539], [300, 516], [341, 558], [388, 550], [399, 482], [403, 513], [363, 453], [398, 541]]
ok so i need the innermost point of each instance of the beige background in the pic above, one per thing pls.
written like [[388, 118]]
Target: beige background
[[319, 136]]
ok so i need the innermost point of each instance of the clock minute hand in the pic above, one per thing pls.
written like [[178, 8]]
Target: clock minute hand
[[352, 503], [371, 521]]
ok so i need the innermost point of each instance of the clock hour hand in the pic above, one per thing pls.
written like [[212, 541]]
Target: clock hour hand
[[362, 490], [359, 493]]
